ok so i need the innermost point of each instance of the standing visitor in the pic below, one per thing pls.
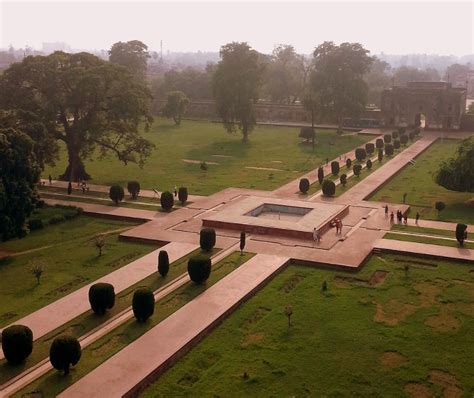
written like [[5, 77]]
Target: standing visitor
[[50, 179], [175, 191], [392, 218], [417, 217]]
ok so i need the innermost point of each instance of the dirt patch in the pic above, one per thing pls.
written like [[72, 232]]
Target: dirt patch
[[222, 156], [252, 338], [263, 168], [393, 312], [188, 380], [377, 277], [258, 314], [445, 321], [7, 316], [447, 381], [122, 260], [292, 282], [392, 359], [417, 390], [428, 293], [464, 308], [197, 162]]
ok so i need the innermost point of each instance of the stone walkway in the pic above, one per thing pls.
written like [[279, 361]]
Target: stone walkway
[[134, 367], [61, 311], [424, 249]]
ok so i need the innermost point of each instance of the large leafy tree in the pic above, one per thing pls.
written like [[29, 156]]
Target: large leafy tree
[[236, 83], [337, 80], [378, 79], [175, 106], [133, 55], [19, 173], [87, 103], [457, 174], [406, 74]]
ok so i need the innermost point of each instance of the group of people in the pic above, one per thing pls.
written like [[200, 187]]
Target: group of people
[[337, 223], [400, 216]]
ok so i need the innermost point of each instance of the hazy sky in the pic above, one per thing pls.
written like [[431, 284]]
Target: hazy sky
[[395, 27]]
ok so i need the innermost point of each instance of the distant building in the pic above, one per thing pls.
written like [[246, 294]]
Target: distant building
[[435, 105]]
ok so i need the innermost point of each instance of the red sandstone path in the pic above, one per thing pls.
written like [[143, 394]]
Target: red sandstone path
[[76, 303], [124, 372]]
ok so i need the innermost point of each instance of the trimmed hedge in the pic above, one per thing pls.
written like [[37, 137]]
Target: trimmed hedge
[[379, 143], [360, 154], [116, 193], [357, 169], [17, 343], [396, 144], [335, 167], [64, 352], [380, 155], [395, 134], [329, 188], [320, 175], [101, 297], [143, 304], [403, 139], [207, 239], [304, 185], [167, 200], [389, 149], [369, 164], [348, 163], [199, 268], [370, 148], [343, 179], [133, 188], [163, 263], [387, 138], [183, 195]]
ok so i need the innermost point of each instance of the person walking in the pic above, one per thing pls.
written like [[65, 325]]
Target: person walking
[[417, 217], [392, 218], [405, 218], [50, 179], [315, 235], [175, 191], [386, 210]]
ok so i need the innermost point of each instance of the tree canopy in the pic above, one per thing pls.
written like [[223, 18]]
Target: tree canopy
[[133, 55], [457, 174], [83, 101], [236, 83], [19, 174], [337, 79], [175, 106]]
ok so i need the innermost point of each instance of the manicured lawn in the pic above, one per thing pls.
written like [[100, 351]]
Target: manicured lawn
[[70, 261], [270, 147], [430, 240], [92, 356], [409, 335], [422, 191]]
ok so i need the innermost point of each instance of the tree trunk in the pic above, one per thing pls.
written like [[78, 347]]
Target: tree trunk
[[75, 170], [245, 134]]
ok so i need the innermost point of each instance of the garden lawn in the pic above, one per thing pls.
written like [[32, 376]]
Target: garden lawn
[[422, 191], [70, 261], [270, 147], [407, 335], [431, 240], [53, 382]]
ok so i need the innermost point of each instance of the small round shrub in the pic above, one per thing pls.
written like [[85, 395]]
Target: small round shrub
[[320, 175], [389, 149], [387, 138], [56, 219], [360, 154], [335, 167], [207, 239], [116, 193], [304, 185], [17, 343], [370, 148], [380, 155], [379, 143], [395, 134], [199, 268], [64, 352], [343, 179], [369, 164], [329, 188], [163, 263], [357, 169], [402, 130], [440, 206], [35, 223], [396, 144], [183, 195], [404, 139], [143, 304], [101, 297], [167, 200], [348, 163], [133, 188]]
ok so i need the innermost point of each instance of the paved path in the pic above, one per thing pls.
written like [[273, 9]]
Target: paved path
[[424, 249], [148, 355], [380, 176], [74, 304]]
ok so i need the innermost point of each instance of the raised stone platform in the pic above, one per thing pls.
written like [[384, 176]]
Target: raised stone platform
[[271, 216]]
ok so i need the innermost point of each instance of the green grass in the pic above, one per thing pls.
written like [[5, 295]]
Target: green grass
[[70, 261], [422, 191], [336, 344], [54, 382], [200, 140], [86, 322], [430, 240], [423, 230]]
